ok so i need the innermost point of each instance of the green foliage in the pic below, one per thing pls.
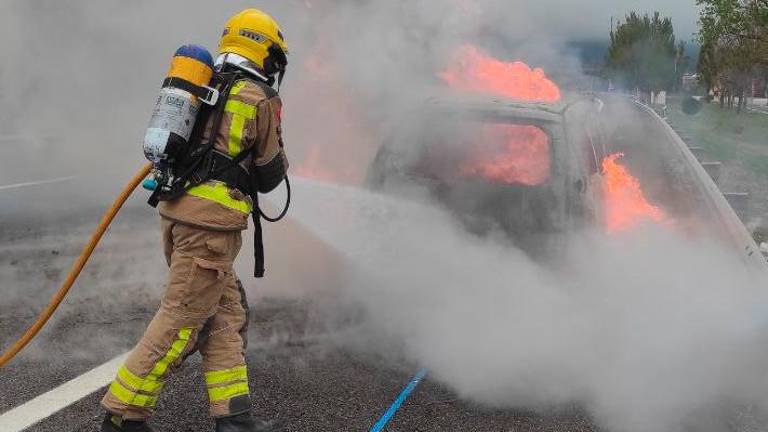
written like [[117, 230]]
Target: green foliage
[[709, 66], [727, 136], [643, 53], [733, 21], [734, 45], [682, 63]]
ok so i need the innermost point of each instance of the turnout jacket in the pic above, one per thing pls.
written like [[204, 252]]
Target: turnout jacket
[[251, 120]]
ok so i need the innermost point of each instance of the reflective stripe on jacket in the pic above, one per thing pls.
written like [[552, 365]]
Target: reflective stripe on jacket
[[251, 118]]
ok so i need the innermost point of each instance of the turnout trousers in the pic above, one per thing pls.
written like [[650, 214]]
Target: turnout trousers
[[204, 309]]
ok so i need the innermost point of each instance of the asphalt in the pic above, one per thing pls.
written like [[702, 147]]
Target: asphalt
[[300, 371], [316, 389], [93, 324]]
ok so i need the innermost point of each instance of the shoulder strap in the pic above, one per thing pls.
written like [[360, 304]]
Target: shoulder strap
[[198, 153], [190, 171], [207, 95]]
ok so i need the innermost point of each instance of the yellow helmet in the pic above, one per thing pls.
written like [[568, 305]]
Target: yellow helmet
[[256, 36]]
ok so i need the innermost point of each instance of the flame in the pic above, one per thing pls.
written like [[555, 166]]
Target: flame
[[504, 153], [624, 200], [475, 71], [335, 143], [509, 154], [313, 167]]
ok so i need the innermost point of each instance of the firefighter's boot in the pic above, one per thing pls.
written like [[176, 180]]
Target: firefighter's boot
[[113, 423], [245, 423]]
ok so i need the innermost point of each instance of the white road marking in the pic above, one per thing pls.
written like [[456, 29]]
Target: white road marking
[[35, 183], [47, 404]]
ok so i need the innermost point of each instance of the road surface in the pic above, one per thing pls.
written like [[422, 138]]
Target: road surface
[[301, 371]]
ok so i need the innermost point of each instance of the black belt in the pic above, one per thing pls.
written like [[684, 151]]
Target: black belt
[[236, 177], [208, 95], [239, 178]]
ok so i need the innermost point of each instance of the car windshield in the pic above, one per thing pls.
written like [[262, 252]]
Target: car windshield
[[507, 154], [496, 152]]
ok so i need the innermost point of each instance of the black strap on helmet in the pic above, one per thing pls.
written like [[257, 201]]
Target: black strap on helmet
[[276, 63]]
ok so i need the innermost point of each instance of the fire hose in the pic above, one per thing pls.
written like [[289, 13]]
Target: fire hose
[[77, 267], [85, 255]]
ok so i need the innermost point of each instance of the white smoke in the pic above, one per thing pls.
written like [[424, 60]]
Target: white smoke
[[84, 80], [647, 330]]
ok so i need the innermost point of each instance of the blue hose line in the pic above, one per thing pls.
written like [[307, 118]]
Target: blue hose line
[[382, 423]]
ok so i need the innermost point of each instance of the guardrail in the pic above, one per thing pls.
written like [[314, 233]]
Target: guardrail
[[717, 202]]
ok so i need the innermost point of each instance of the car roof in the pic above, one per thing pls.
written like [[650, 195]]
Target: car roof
[[502, 107]]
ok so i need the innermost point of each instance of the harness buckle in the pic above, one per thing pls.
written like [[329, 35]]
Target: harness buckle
[[195, 178], [209, 95]]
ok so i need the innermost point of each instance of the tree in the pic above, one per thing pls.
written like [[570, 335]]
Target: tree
[[734, 22], [709, 67], [643, 53], [682, 63], [734, 43]]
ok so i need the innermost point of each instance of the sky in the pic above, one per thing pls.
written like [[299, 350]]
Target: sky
[[93, 45], [592, 18]]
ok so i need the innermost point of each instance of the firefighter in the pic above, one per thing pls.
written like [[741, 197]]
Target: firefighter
[[204, 307]]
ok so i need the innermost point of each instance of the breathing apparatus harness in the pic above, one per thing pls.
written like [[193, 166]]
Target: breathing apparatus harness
[[166, 137], [203, 163]]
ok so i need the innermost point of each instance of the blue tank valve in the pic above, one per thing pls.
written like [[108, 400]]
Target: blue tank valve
[[149, 184]]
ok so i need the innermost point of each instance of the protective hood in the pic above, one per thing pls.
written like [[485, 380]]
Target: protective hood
[[242, 63]]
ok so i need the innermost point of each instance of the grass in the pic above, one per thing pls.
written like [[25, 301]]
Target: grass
[[726, 136]]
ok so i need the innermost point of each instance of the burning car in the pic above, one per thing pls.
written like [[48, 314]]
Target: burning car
[[527, 169]]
